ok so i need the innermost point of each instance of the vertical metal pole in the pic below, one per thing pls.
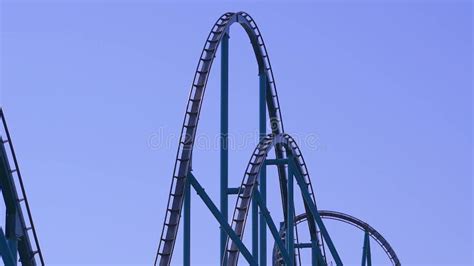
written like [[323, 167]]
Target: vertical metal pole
[[314, 253], [187, 224], [366, 256], [224, 151], [369, 255], [289, 228], [255, 228], [263, 171]]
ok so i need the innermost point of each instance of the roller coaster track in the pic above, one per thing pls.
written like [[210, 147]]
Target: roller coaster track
[[191, 118], [18, 199], [346, 218], [383, 243], [249, 182], [285, 149]]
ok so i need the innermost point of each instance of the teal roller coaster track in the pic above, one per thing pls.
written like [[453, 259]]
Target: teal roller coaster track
[[19, 240], [251, 194], [16, 240]]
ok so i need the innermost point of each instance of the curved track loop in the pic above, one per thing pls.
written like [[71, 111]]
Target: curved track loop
[[191, 118], [250, 180], [346, 218]]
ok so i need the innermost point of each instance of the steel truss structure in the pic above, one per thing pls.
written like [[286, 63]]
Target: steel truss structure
[[19, 241], [251, 194]]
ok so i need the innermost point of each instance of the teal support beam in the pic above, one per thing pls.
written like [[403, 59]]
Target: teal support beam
[[233, 190], [307, 198], [369, 255], [304, 245], [221, 220], [290, 239], [255, 228], [364, 250], [224, 151], [273, 229], [366, 256], [187, 225], [5, 252], [276, 161], [263, 171], [315, 252]]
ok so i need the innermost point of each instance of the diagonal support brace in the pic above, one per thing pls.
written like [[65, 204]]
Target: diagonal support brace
[[272, 227], [223, 223], [315, 213]]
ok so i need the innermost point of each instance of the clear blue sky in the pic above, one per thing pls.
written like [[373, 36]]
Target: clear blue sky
[[385, 88]]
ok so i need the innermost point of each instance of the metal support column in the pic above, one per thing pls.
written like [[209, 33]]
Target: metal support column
[[187, 225], [224, 151], [290, 239], [255, 228], [263, 171], [366, 256], [5, 252], [271, 225], [314, 253], [369, 255]]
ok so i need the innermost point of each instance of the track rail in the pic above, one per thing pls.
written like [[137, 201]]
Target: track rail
[[346, 218], [191, 119], [250, 180], [283, 145], [383, 243], [26, 251]]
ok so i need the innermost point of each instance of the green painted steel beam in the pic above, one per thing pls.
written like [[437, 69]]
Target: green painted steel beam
[[290, 239], [224, 151], [303, 245], [255, 228], [220, 218], [187, 225], [369, 255], [263, 171], [233, 190], [5, 252], [316, 257], [276, 161], [273, 229], [314, 211], [366, 256]]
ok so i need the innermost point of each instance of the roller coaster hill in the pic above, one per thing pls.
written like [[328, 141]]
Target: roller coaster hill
[[251, 194], [19, 240]]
